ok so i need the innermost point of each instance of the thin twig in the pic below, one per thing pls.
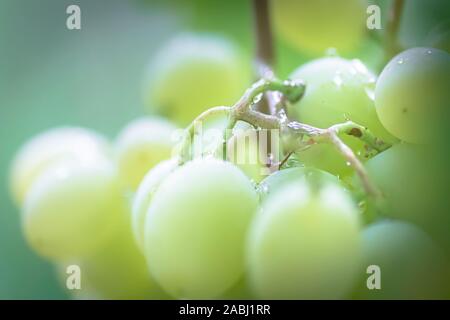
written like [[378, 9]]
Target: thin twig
[[351, 158], [264, 54], [296, 135], [392, 46], [186, 145], [264, 46]]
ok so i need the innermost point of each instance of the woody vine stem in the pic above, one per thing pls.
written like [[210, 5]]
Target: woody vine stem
[[270, 111]]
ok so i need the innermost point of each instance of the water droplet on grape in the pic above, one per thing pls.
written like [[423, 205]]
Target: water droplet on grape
[[359, 66], [400, 61], [282, 115], [348, 163], [331, 52], [264, 188], [257, 98], [428, 52]]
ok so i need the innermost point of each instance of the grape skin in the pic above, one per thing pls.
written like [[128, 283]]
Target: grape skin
[[411, 95], [50, 147], [196, 226], [305, 244], [247, 149], [192, 73], [302, 24], [392, 170], [117, 270], [337, 90], [72, 209], [411, 265], [326, 157], [140, 146], [144, 194], [413, 187], [240, 291], [276, 181]]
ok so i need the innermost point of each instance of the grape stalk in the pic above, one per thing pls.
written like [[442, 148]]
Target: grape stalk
[[269, 112]]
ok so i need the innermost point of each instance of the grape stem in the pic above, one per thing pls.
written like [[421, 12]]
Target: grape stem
[[263, 105], [190, 131], [349, 155], [264, 54], [295, 136], [298, 136], [392, 47]]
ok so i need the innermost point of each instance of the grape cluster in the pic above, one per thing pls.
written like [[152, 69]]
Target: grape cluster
[[142, 222]]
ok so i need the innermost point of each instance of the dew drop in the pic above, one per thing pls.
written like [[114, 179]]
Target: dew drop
[[264, 188], [359, 66], [428, 51], [348, 163], [371, 80], [282, 115], [258, 98], [400, 61], [331, 52]]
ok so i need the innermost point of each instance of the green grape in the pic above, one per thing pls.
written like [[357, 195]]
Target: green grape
[[413, 186], [196, 226], [326, 157], [192, 73], [240, 291], [400, 175], [208, 140], [209, 137], [117, 270], [253, 150], [337, 90], [277, 180], [140, 146], [50, 147], [411, 265], [314, 26], [305, 244], [72, 209], [144, 194], [411, 95]]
